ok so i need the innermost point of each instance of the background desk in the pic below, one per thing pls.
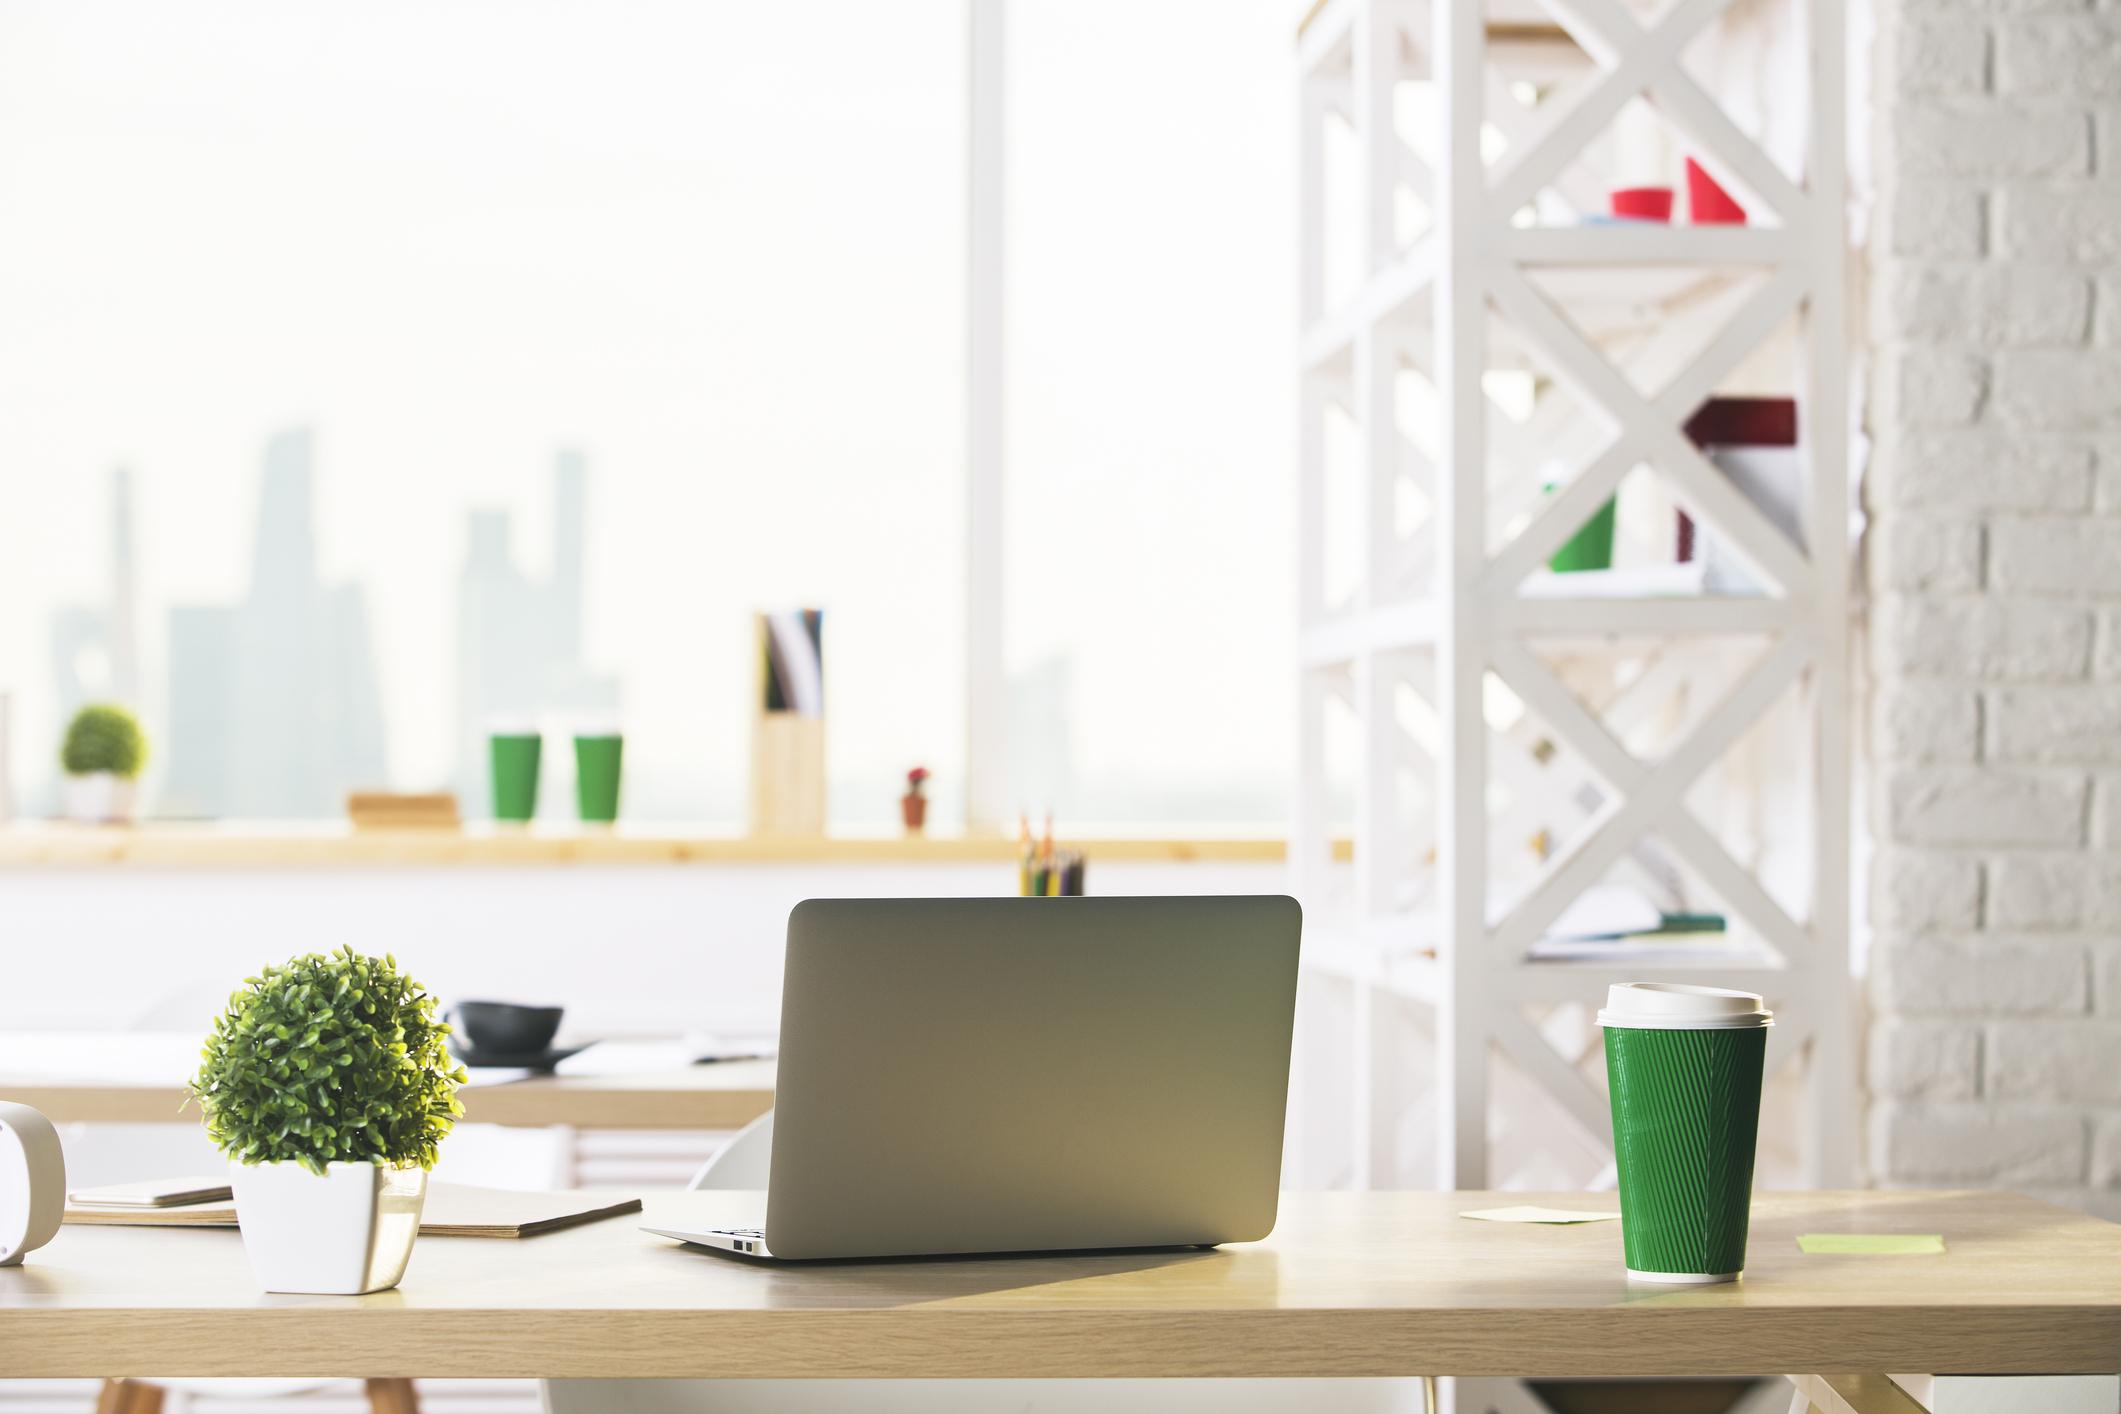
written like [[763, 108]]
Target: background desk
[[1351, 1284], [137, 1078]]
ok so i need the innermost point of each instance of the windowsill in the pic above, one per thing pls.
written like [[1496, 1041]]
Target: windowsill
[[255, 845]]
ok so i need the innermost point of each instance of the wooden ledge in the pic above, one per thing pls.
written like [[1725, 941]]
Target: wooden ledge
[[324, 846]]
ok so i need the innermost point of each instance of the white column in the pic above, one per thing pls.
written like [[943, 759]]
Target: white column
[[1456, 55], [986, 675], [1831, 1066]]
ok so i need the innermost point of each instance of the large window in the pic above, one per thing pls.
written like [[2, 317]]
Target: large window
[[370, 370], [387, 308]]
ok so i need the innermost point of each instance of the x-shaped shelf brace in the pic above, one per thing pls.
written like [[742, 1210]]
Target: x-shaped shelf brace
[[1647, 62], [1647, 797], [1648, 431], [1535, 775]]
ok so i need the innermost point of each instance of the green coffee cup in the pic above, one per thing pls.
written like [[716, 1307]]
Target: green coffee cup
[[515, 754], [1684, 1066], [597, 758]]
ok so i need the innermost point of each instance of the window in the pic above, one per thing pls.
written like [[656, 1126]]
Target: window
[[590, 328], [1150, 311]]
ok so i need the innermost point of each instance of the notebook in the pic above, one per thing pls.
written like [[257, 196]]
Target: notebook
[[155, 1193], [452, 1210]]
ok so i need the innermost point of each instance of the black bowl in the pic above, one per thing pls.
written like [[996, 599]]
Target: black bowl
[[506, 1028]]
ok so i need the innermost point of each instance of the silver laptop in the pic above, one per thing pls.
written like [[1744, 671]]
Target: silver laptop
[[1027, 1075]]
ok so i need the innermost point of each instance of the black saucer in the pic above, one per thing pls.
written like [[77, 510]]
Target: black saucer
[[529, 1060]]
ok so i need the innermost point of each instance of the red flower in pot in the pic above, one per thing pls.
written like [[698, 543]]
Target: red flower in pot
[[913, 805]]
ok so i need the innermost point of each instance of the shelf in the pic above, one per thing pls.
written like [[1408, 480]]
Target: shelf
[[1345, 637], [1415, 974], [1578, 604], [1659, 262], [1627, 327], [1322, 33], [1571, 605], [327, 845], [1614, 280]]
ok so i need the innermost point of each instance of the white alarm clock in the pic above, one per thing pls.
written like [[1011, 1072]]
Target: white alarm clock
[[32, 1182]]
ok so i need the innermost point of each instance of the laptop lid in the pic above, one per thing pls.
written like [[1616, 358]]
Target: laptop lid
[[1006, 1075]]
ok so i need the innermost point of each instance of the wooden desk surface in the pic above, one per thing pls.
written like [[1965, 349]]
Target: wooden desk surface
[[136, 1078], [1350, 1284]]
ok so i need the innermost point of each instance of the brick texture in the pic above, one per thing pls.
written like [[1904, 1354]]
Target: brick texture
[[1994, 558]]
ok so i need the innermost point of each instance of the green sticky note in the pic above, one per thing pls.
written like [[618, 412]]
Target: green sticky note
[[1872, 1244]]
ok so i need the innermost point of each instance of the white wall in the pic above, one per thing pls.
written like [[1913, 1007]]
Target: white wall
[[637, 949], [641, 950], [1996, 571]]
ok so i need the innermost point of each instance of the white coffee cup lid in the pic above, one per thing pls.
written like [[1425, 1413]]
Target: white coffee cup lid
[[1674, 1006]]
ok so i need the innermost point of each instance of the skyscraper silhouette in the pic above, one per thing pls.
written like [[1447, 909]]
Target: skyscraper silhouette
[[274, 705], [95, 648], [519, 639]]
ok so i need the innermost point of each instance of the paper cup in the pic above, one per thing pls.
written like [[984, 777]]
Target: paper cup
[[1684, 1065], [598, 754], [514, 751]]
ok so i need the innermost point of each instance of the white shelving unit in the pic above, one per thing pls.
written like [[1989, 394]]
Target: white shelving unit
[[1498, 739]]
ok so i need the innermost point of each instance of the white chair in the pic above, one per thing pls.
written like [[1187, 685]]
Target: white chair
[[744, 1163]]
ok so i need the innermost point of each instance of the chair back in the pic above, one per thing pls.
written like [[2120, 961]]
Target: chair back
[[743, 1162]]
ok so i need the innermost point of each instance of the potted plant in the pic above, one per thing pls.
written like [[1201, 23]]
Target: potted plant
[[328, 1084], [913, 805], [102, 756]]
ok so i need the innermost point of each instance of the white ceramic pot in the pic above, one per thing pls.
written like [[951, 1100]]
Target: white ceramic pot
[[346, 1231], [99, 798]]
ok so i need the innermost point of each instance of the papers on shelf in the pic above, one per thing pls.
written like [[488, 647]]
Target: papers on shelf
[[1610, 923], [1606, 911]]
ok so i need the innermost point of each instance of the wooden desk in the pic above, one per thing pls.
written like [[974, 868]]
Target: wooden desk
[[137, 1078], [1350, 1284]]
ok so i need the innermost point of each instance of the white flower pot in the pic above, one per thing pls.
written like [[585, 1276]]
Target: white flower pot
[[346, 1231], [99, 798]]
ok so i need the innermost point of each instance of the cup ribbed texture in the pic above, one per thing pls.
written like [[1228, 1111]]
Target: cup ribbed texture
[[1686, 1113]]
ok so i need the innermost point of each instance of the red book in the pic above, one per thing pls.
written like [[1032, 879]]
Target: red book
[[1708, 204]]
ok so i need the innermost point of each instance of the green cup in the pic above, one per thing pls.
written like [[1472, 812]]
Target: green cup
[[1684, 1066], [515, 755], [596, 775]]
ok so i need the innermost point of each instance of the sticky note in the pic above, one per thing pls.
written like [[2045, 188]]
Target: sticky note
[[1537, 1215], [1871, 1244]]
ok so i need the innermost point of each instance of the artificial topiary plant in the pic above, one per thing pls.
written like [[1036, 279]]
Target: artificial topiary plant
[[103, 738], [334, 1059]]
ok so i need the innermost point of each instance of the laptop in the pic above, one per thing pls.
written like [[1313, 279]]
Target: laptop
[[1026, 1075]]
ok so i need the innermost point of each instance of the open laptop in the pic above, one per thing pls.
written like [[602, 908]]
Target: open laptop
[[1026, 1075]]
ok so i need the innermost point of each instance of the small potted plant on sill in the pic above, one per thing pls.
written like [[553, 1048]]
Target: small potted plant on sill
[[913, 805], [328, 1085], [102, 756]]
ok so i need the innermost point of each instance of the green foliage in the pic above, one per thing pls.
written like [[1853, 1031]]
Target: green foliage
[[329, 1059], [103, 738]]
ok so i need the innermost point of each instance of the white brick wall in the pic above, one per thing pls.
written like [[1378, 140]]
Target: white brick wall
[[1995, 565]]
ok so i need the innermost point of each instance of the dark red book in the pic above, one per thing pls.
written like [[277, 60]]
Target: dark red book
[[1736, 422]]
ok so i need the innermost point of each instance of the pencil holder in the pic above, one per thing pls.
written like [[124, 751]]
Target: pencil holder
[[788, 726]]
